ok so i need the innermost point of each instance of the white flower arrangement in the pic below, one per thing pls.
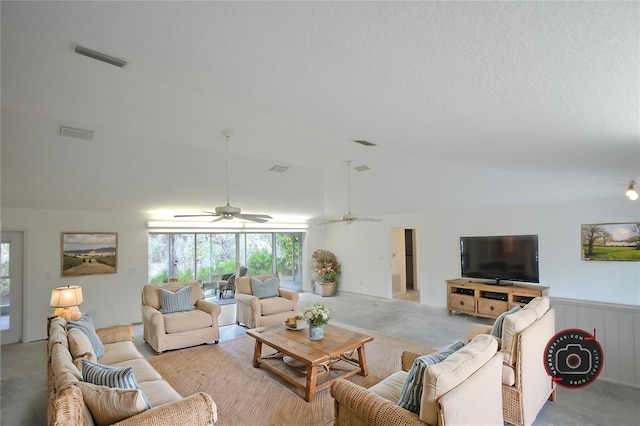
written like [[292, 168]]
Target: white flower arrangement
[[317, 314]]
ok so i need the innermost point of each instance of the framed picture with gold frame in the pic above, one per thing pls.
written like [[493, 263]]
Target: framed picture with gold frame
[[611, 241], [88, 253]]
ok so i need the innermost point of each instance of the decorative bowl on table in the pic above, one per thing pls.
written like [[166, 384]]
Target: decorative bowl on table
[[295, 323]]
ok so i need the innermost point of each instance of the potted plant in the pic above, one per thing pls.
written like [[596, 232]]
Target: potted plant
[[326, 269]]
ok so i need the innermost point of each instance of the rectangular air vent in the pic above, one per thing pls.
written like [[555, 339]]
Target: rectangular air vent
[[362, 168], [279, 169], [99, 56], [365, 143], [72, 132]]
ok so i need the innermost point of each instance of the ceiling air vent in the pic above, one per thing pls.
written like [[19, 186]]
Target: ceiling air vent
[[279, 169], [362, 168], [72, 132], [103, 57], [365, 143]]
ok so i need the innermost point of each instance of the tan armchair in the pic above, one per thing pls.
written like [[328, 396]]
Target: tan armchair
[[256, 312], [464, 389], [526, 386], [175, 330]]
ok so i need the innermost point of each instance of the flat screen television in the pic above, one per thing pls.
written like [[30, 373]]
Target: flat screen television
[[500, 259]]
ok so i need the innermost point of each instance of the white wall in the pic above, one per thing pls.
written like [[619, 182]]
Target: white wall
[[364, 249], [115, 298]]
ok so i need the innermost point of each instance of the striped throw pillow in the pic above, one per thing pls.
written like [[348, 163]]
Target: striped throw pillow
[[105, 375], [412, 387], [113, 377], [175, 302]]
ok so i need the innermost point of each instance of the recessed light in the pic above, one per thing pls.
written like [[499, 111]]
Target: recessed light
[[279, 169]]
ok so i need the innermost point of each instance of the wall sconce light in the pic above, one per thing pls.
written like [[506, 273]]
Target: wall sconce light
[[632, 193], [66, 301]]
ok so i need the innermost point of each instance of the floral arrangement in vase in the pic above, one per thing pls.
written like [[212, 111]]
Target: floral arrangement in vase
[[317, 314], [325, 265]]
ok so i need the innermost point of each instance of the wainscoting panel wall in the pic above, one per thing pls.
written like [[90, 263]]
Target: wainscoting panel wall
[[617, 329]]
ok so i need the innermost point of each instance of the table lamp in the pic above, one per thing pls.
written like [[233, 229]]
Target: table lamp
[[66, 301]]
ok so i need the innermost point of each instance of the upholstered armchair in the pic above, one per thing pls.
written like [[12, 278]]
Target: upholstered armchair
[[260, 301], [524, 334], [176, 316], [463, 389]]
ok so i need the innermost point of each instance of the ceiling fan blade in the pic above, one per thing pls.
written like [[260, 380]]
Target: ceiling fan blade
[[368, 219], [330, 221], [253, 217], [206, 213]]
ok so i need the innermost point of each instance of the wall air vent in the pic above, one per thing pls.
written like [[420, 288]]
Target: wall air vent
[[72, 132], [94, 54], [279, 169], [365, 143]]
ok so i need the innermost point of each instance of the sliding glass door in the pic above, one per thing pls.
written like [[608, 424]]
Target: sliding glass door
[[206, 257]]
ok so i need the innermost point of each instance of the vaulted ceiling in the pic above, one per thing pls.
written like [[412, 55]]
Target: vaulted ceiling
[[469, 103]]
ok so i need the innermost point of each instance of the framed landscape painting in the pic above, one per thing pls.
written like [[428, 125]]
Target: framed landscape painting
[[88, 253], [611, 241]]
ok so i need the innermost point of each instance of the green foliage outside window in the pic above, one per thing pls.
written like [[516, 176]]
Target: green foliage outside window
[[260, 262]]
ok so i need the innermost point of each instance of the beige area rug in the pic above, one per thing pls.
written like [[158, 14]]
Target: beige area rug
[[252, 396]]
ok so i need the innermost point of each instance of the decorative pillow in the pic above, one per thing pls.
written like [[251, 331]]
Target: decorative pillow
[[85, 324], [105, 375], [266, 288], [175, 302], [496, 330], [113, 377], [80, 347], [513, 325], [540, 305], [412, 388], [111, 405]]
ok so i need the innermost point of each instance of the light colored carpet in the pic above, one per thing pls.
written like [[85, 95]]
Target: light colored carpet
[[254, 396]]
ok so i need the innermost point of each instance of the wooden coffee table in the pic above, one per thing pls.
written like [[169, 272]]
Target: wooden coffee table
[[328, 355]]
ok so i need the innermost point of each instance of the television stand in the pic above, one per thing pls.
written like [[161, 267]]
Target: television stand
[[498, 282], [489, 300]]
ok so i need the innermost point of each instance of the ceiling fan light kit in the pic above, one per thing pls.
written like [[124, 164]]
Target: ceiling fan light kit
[[228, 212]]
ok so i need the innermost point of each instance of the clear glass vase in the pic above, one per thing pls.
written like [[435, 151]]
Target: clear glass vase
[[316, 332]]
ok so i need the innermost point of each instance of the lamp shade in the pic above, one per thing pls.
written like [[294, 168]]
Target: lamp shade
[[66, 297]]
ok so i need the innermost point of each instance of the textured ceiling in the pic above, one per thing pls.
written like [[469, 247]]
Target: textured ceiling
[[469, 102]]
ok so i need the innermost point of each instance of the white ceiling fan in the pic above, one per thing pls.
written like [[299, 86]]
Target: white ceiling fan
[[229, 212], [349, 218]]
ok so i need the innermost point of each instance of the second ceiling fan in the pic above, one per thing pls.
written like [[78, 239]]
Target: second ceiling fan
[[349, 218], [228, 211]]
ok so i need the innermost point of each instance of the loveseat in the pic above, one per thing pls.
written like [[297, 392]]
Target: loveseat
[[72, 402], [266, 304], [462, 389], [524, 334], [183, 322]]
